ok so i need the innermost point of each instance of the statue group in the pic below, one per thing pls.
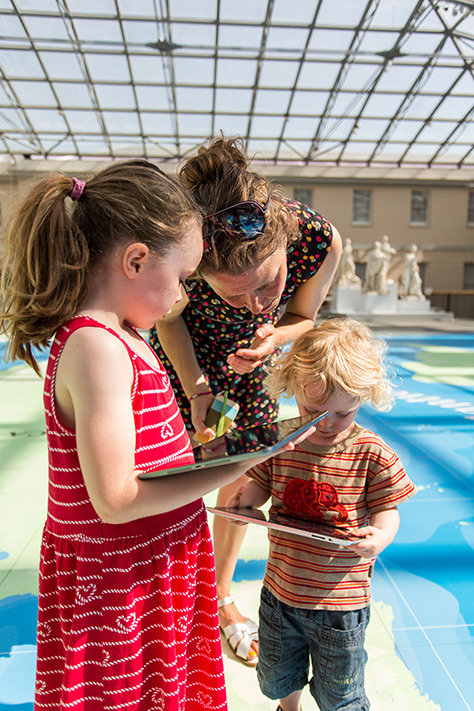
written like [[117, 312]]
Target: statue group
[[376, 270]]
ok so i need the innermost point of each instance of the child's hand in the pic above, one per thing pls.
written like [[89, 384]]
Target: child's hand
[[199, 408], [234, 501], [373, 541]]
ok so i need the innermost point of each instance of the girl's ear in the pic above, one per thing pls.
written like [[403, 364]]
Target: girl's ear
[[134, 257]]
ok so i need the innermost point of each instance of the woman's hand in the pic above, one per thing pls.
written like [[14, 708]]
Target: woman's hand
[[244, 360]]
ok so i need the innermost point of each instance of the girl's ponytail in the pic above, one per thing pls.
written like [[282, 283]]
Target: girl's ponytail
[[44, 275]]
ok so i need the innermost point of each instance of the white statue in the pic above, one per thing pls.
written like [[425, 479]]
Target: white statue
[[389, 251], [376, 270], [410, 280], [346, 270]]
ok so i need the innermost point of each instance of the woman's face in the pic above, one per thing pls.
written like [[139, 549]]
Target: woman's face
[[259, 289]]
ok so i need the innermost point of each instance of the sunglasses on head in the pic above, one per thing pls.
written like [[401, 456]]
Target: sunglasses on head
[[245, 220]]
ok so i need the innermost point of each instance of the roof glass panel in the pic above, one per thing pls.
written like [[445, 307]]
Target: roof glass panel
[[311, 103], [360, 81], [231, 124], [236, 72], [140, 32], [46, 28], [83, 121], [114, 96], [240, 37], [107, 67], [318, 75], [195, 125], [270, 101], [149, 69], [193, 70], [73, 95], [205, 10], [153, 97], [251, 10], [144, 8], [344, 13], [235, 100], [46, 119], [18, 64], [61, 65], [278, 73], [192, 99], [34, 93]]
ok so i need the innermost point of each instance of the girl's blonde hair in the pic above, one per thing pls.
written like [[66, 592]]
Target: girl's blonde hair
[[339, 355], [218, 177], [52, 243]]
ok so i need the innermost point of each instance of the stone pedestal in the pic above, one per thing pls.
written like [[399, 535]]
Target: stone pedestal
[[351, 300]]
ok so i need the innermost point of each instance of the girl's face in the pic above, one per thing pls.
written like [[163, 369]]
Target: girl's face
[[259, 289], [338, 423], [160, 287]]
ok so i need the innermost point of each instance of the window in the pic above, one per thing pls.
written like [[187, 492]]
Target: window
[[419, 207], [304, 196], [468, 279], [361, 203], [470, 209]]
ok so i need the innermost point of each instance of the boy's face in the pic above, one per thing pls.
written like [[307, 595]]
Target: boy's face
[[338, 423]]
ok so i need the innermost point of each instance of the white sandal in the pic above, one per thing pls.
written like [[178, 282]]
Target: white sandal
[[240, 635]]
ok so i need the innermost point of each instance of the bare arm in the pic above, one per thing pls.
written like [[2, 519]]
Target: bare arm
[[249, 496], [178, 346], [93, 390]]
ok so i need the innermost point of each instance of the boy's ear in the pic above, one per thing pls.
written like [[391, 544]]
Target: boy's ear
[[133, 259]]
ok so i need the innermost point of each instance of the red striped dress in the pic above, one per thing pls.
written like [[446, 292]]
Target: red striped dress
[[127, 613]]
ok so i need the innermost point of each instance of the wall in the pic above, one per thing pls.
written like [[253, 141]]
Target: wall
[[445, 243]]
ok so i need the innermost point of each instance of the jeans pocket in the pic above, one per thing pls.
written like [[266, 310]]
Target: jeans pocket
[[269, 631], [342, 654]]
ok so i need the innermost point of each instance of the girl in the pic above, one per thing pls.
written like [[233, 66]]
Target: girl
[[263, 254], [315, 597], [127, 605]]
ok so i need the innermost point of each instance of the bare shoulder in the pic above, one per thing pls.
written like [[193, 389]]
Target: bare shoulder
[[92, 353]]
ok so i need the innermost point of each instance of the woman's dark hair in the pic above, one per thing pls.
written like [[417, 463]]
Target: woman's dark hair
[[52, 242], [218, 176]]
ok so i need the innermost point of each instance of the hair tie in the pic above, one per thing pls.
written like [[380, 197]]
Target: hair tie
[[77, 189]]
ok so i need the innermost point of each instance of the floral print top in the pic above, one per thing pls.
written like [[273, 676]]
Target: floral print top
[[218, 329]]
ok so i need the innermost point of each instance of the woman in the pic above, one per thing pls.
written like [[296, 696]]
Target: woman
[[262, 252]]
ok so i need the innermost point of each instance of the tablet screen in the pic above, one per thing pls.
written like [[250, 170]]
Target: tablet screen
[[239, 445], [252, 439]]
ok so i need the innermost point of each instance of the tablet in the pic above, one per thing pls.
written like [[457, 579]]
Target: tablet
[[240, 445], [280, 522]]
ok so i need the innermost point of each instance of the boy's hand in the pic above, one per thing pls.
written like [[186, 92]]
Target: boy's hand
[[373, 541]]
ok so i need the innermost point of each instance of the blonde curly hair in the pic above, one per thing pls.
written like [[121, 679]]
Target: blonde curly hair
[[339, 355]]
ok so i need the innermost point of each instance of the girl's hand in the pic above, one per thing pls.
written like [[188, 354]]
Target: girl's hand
[[373, 542], [234, 503], [244, 360], [199, 409]]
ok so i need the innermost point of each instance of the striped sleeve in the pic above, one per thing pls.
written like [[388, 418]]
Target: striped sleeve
[[388, 483]]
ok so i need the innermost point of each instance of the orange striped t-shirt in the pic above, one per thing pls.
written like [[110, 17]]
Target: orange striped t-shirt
[[339, 485]]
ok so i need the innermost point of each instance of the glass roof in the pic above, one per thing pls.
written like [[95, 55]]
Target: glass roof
[[306, 82]]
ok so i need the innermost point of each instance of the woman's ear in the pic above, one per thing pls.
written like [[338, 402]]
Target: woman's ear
[[133, 259]]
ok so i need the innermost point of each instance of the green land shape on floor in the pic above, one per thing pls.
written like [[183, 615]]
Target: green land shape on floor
[[430, 366]]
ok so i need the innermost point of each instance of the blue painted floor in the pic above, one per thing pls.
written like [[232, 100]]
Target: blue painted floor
[[421, 636]]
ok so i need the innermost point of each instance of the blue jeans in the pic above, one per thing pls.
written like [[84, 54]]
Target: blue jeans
[[334, 641]]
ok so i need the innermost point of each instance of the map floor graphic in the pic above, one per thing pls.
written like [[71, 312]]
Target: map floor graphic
[[420, 638]]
